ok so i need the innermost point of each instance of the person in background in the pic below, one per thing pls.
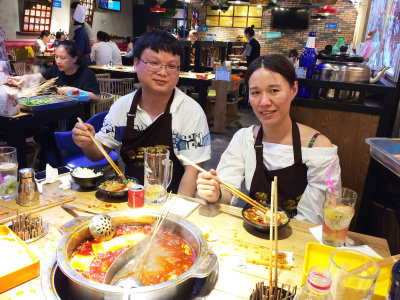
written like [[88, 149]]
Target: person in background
[[297, 154], [41, 42], [252, 50], [130, 44], [327, 50], [294, 58], [81, 38], [116, 53], [3, 51], [71, 72], [193, 35], [101, 51], [86, 26], [157, 114], [60, 36]]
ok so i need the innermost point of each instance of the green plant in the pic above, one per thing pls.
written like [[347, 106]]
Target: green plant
[[170, 12]]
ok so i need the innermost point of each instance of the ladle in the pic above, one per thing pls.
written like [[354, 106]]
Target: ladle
[[101, 226], [125, 264]]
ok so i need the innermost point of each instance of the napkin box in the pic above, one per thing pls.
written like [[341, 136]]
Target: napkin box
[[319, 255], [27, 271], [81, 97]]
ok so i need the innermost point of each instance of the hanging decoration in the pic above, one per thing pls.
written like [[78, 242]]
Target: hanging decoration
[[158, 8], [327, 10], [195, 19]]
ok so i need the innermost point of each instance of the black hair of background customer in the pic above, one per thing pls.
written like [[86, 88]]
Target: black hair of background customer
[[74, 4], [276, 63], [293, 53], [71, 49], [59, 34], [44, 33], [250, 30], [157, 40], [103, 36]]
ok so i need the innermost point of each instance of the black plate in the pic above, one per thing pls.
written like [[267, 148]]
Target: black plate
[[259, 227], [88, 183], [114, 194]]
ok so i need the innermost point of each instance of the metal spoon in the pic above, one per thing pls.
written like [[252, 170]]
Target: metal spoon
[[101, 226]]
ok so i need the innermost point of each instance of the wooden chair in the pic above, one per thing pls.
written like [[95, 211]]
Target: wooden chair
[[118, 87], [22, 68], [104, 105], [103, 75]]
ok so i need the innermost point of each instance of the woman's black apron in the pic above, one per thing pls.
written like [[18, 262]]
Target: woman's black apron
[[158, 134], [292, 180]]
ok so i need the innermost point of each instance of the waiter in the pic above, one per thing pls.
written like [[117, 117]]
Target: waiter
[[252, 50], [158, 114], [81, 37]]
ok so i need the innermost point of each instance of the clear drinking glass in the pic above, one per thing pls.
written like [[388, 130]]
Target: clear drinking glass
[[353, 275], [338, 212], [8, 173], [157, 174]]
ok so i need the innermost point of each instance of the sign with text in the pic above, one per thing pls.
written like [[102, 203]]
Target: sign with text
[[203, 28], [223, 73], [273, 35], [57, 3], [331, 25]]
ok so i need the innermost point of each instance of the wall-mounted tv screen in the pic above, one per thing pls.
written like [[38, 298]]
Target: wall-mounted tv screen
[[296, 18], [109, 4]]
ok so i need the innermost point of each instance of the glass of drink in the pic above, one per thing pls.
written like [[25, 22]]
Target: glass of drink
[[8, 173], [157, 174], [353, 275], [338, 212]]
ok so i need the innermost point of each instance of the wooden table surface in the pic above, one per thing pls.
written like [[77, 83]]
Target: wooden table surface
[[234, 243]]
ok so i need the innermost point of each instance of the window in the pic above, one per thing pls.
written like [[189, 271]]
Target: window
[[235, 16], [90, 4], [37, 15]]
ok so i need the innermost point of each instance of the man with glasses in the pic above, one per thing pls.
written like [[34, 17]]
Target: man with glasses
[[158, 114]]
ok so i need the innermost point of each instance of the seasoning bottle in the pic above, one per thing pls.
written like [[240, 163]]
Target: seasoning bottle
[[28, 194], [317, 285], [394, 292], [339, 43]]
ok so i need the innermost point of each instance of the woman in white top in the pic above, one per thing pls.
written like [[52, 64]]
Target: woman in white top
[[297, 154], [105, 51], [41, 42]]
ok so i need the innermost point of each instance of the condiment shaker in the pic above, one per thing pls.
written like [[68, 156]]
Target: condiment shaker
[[28, 194]]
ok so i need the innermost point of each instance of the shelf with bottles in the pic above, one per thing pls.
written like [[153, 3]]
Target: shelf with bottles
[[208, 52]]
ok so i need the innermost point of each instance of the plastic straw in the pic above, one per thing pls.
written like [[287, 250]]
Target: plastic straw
[[330, 184]]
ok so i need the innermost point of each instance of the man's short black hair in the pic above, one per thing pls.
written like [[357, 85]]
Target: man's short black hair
[[157, 40], [74, 4]]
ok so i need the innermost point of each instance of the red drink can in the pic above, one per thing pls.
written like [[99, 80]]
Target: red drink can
[[136, 196]]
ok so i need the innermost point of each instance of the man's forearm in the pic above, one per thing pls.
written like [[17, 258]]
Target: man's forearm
[[93, 153]]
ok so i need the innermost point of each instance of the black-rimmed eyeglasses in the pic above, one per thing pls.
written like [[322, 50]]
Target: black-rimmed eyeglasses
[[155, 67]]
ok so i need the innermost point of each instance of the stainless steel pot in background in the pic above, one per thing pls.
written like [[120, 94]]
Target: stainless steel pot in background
[[180, 288]]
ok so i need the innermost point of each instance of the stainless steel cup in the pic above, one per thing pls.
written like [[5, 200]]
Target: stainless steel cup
[[28, 194]]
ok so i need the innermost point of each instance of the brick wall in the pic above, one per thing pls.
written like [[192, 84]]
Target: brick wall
[[295, 38]]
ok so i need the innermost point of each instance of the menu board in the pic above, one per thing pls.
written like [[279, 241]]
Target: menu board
[[241, 11], [211, 12], [240, 22], [255, 11], [37, 15], [225, 21], [228, 13], [212, 21], [255, 21]]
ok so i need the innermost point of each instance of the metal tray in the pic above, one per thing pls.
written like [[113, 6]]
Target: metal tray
[[59, 101], [387, 152]]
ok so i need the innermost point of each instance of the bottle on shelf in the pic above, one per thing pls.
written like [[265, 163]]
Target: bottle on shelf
[[394, 289], [317, 285], [307, 62], [339, 43]]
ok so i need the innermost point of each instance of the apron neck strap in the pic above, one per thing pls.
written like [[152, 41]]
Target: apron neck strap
[[135, 102]]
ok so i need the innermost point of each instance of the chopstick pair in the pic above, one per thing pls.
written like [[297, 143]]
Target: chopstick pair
[[273, 240], [100, 147], [227, 186]]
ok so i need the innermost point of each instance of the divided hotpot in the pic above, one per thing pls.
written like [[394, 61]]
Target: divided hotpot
[[179, 288]]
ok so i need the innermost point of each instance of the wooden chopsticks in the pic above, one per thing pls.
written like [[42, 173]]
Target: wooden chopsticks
[[273, 240], [115, 167], [228, 187]]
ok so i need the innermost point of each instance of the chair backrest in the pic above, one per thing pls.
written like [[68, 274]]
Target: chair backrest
[[103, 75], [22, 68], [118, 87], [97, 120], [105, 103]]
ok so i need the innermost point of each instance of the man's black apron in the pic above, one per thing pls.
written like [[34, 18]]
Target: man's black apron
[[292, 180], [158, 134]]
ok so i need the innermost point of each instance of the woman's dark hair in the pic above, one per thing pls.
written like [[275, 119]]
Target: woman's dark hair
[[103, 36], [59, 35], [250, 30], [157, 40], [276, 63], [44, 33], [71, 49]]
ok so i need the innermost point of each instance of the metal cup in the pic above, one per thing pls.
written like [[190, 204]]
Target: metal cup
[[28, 194]]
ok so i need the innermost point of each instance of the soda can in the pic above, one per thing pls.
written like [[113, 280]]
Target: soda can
[[136, 196]]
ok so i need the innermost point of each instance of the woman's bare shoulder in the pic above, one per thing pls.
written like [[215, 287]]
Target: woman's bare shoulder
[[306, 134]]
